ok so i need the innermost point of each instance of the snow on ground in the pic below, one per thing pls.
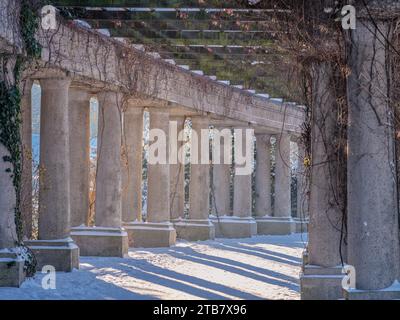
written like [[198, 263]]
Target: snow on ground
[[262, 267]]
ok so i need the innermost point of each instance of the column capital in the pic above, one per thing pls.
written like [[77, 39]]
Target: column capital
[[201, 118], [79, 93], [220, 126], [158, 109], [264, 137], [109, 95], [133, 109], [177, 118], [55, 82]]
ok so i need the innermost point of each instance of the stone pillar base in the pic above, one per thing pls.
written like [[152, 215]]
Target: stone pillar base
[[101, 241], [275, 226], [194, 230], [318, 283], [62, 254], [234, 227], [150, 234], [390, 293], [301, 225], [12, 272]]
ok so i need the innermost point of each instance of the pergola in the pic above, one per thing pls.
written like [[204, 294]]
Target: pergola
[[234, 41]]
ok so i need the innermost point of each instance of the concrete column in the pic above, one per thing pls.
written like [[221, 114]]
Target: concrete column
[[282, 206], [54, 195], [158, 206], [198, 226], [282, 222], [199, 187], [263, 209], [242, 199], [11, 265], [8, 234], [108, 180], [54, 247], [157, 231], [26, 174], [107, 238], [240, 224], [302, 186], [303, 193], [373, 234], [263, 175], [177, 175], [321, 277], [79, 147], [12, 272], [132, 169], [221, 174], [132, 164]]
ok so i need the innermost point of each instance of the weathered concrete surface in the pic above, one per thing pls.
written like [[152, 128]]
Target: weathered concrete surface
[[107, 238], [158, 208], [199, 186], [303, 192], [54, 189], [220, 190], [240, 224], [79, 152], [275, 225], [63, 254], [198, 226], [132, 149], [194, 230], [101, 241], [281, 222], [234, 227], [11, 266], [91, 56], [54, 246], [282, 176], [320, 283], [242, 195], [177, 174], [157, 231], [389, 293], [373, 235], [108, 179], [301, 225], [263, 176], [26, 158], [12, 273], [326, 195], [151, 234], [8, 235]]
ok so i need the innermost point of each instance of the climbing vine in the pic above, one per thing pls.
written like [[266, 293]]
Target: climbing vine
[[10, 112], [29, 24]]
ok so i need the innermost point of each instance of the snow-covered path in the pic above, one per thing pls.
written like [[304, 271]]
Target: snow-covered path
[[263, 267]]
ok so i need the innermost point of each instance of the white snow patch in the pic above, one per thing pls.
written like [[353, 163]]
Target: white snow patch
[[262, 267]]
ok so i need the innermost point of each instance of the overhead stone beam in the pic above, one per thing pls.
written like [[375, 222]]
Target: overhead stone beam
[[94, 58]]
